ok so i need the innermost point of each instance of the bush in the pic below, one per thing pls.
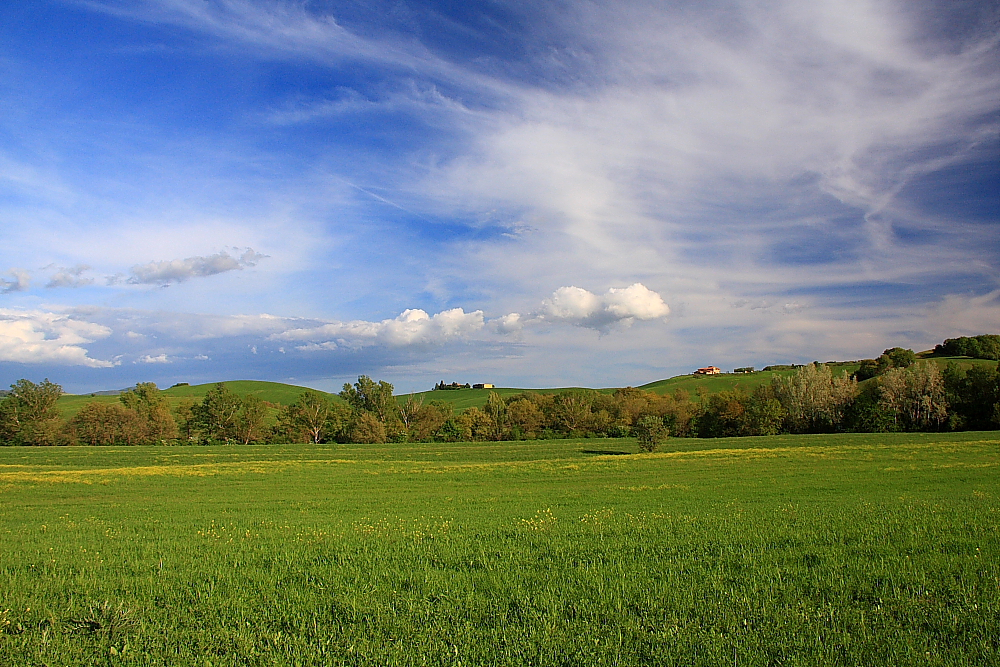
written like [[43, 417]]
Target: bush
[[649, 432]]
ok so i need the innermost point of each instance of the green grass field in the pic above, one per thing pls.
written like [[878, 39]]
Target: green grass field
[[794, 550]]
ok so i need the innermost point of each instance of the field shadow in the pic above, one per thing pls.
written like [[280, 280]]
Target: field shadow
[[605, 452]]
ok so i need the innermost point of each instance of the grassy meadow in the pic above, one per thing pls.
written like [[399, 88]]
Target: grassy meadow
[[792, 550]]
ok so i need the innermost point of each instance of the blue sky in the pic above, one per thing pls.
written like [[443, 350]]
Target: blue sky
[[530, 194]]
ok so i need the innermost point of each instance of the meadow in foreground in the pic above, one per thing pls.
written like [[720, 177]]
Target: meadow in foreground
[[792, 550]]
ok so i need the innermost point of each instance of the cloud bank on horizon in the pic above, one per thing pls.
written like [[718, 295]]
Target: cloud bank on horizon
[[589, 194]]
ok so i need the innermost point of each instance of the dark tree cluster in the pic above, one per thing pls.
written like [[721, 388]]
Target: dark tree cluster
[[894, 357], [986, 346]]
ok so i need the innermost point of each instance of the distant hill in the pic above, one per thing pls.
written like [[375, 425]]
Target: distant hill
[[278, 393], [273, 392]]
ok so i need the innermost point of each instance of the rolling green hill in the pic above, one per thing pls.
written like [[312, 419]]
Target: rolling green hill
[[283, 394], [272, 392]]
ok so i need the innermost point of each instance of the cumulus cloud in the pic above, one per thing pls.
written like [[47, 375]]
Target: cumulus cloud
[[70, 277], [179, 270], [619, 307], [150, 359], [411, 327], [21, 281], [35, 337]]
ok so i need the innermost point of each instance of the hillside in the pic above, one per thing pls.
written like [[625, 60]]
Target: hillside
[[272, 392], [278, 393]]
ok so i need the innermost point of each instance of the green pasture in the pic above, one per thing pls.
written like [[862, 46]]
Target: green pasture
[[794, 550]]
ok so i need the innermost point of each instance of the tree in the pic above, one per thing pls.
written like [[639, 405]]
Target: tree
[[894, 357], [899, 357], [815, 401], [974, 395], [250, 425], [427, 419], [28, 415], [986, 346], [915, 397], [571, 411], [410, 411], [453, 430], [525, 417], [649, 432], [367, 429], [218, 412], [186, 417], [476, 425], [152, 412], [368, 396], [496, 408], [313, 416]]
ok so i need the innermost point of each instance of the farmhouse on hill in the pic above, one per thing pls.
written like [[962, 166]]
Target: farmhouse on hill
[[708, 370], [483, 385]]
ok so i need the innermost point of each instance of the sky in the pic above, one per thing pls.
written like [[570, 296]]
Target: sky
[[571, 193]]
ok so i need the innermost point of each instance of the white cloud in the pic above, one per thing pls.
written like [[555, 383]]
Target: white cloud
[[36, 337], [20, 283], [508, 324], [150, 359], [70, 277], [575, 305], [179, 270], [411, 327]]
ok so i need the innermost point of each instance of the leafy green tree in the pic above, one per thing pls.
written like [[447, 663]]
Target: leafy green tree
[[367, 429], [427, 419], [764, 413], [649, 432], [571, 413], [251, 420], [152, 411], [97, 423], [453, 430], [369, 396], [986, 346], [894, 357], [899, 357], [496, 408], [974, 396], [218, 413], [477, 424], [313, 417], [186, 418], [28, 415], [526, 418]]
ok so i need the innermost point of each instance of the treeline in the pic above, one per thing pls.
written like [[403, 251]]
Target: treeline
[[986, 346], [914, 397]]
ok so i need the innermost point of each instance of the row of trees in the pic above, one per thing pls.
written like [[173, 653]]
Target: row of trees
[[986, 346], [916, 397]]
